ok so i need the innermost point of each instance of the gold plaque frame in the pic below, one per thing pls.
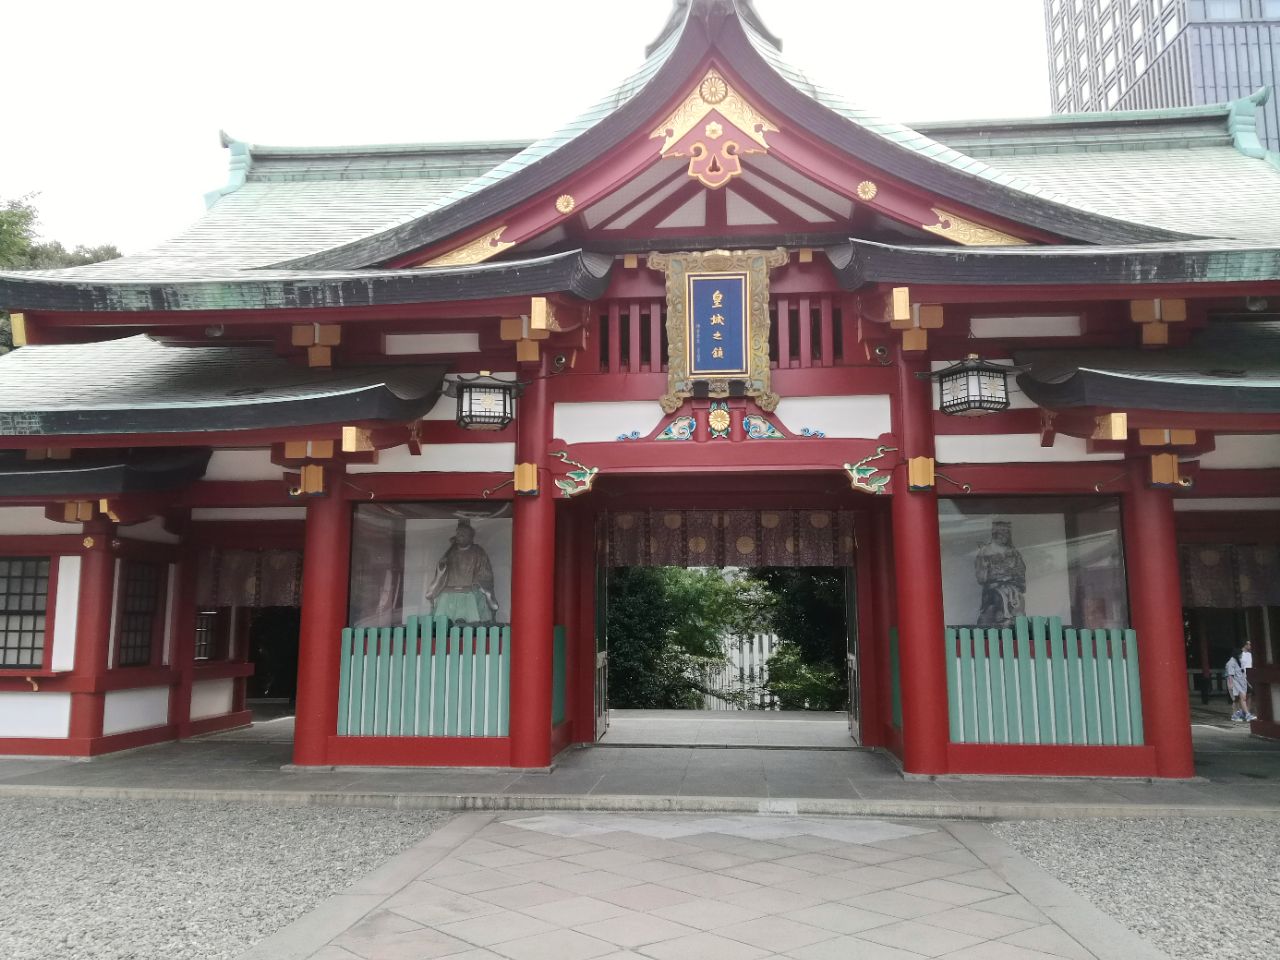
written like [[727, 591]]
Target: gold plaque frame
[[756, 264]]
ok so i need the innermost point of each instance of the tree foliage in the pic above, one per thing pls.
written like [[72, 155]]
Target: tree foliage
[[807, 614], [21, 249], [666, 626]]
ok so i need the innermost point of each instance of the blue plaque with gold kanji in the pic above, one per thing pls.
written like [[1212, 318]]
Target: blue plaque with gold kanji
[[718, 324], [718, 336]]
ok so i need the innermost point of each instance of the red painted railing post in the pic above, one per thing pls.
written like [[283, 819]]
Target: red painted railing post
[[1155, 608], [326, 567], [917, 555], [533, 589]]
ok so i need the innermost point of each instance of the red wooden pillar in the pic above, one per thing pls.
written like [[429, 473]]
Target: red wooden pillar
[[533, 589], [326, 567], [93, 626], [885, 610], [1155, 608], [585, 560], [918, 567], [870, 726]]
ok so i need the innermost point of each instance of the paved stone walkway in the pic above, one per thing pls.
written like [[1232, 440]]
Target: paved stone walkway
[[729, 728], [1240, 777], [578, 886]]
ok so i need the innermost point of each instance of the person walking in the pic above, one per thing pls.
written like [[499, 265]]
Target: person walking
[[1246, 664], [1237, 687]]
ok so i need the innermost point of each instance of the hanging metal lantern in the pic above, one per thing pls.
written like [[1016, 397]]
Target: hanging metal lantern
[[973, 387], [484, 403]]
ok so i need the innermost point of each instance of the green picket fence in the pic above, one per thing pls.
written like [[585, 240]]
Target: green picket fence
[[1041, 683], [425, 679]]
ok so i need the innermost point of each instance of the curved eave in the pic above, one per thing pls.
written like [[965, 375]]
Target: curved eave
[[861, 262], [780, 97], [140, 473], [376, 402], [577, 273], [1104, 390]]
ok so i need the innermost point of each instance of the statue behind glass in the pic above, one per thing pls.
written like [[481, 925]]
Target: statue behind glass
[[1002, 573], [461, 586]]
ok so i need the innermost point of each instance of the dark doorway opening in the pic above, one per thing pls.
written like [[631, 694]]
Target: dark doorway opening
[[273, 650]]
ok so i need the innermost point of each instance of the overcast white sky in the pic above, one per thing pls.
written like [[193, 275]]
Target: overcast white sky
[[112, 109]]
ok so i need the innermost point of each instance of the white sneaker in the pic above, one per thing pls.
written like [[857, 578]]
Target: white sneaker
[[1252, 716], [1237, 717]]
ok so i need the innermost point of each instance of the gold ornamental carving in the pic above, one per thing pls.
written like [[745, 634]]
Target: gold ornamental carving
[[712, 148], [867, 190], [755, 265], [565, 203], [477, 251], [967, 233]]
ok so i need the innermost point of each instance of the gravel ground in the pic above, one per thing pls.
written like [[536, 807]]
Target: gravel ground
[[1195, 888], [91, 879]]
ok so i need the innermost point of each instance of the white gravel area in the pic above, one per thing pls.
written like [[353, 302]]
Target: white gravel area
[[1195, 888], [90, 879]]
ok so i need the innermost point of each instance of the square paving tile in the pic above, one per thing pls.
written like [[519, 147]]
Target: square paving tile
[[575, 911], [709, 860], [957, 894], [426, 903], [389, 936], [840, 918], [928, 868], [897, 904], [635, 930], [979, 923], [776, 934], [827, 888], [607, 859], [1049, 938], [476, 881], [771, 900], [707, 914], [986, 879], [998, 950], [851, 948], [1012, 905], [556, 945], [595, 881], [878, 878], [651, 870], [646, 897], [710, 885], [815, 863], [920, 937], [524, 895], [769, 872], [495, 928], [703, 946]]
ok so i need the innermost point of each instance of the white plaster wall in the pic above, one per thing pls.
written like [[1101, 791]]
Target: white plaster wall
[[1195, 505], [864, 417], [125, 710], [66, 610], [1234, 451], [152, 531], [31, 521], [601, 422], [252, 464], [408, 344], [1003, 327], [211, 698], [31, 714], [1012, 448], [249, 513], [443, 458]]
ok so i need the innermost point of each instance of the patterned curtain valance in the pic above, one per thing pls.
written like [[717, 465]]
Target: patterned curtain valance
[[1230, 575], [249, 578], [729, 538]]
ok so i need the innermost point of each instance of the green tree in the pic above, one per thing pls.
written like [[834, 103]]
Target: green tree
[[20, 249], [808, 616], [667, 625]]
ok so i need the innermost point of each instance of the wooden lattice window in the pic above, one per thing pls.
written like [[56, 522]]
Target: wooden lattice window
[[24, 600], [213, 627], [139, 614]]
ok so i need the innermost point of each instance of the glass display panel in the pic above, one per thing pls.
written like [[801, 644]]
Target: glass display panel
[[1035, 557], [421, 559]]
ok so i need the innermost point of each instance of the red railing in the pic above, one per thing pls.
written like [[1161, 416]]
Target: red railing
[[804, 332]]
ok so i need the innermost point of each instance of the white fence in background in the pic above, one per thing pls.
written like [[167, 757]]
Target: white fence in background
[[740, 683]]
